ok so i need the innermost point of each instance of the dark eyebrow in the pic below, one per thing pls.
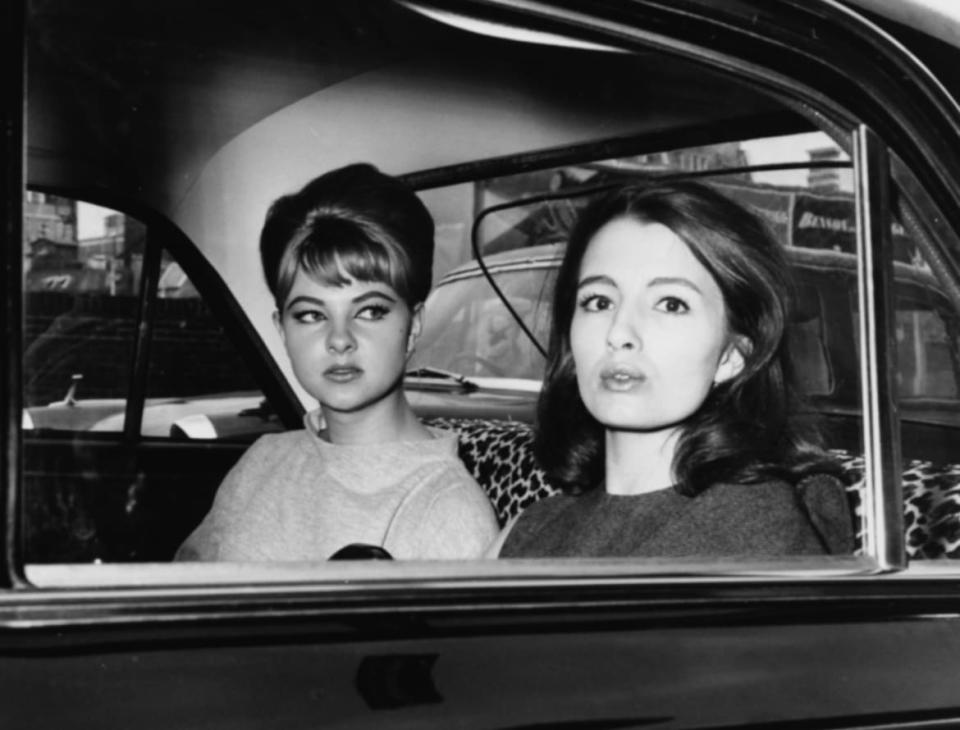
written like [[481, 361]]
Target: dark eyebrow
[[374, 295], [660, 280], [365, 297], [596, 279], [303, 299]]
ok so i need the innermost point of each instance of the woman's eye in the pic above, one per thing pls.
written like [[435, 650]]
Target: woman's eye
[[672, 305], [373, 312], [595, 303], [308, 316]]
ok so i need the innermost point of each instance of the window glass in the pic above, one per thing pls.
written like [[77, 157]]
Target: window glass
[[470, 330], [927, 337], [91, 493], [198, 386], [83, 266], [926, 352], [83, 269], [808, 343], [270, 126]]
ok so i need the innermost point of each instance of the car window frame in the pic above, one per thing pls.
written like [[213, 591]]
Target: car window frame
[[875, 285], [163, 235], [11, 265]]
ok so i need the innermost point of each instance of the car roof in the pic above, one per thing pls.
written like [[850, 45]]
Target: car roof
[[937, 18], [189, 87]]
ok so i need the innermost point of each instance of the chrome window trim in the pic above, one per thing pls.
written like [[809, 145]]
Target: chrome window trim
[[883, 499]]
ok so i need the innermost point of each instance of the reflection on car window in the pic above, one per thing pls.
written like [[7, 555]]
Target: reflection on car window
[[468, 329], [807, 338], [926, 351]]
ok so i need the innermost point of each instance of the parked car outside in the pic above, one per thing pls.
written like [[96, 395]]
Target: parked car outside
[[487, 322]]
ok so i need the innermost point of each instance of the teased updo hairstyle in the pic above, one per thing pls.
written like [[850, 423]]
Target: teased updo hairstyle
[[354, 221], [748, 429]]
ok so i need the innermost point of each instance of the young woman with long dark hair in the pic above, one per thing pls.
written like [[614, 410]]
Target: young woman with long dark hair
[[668, 412]]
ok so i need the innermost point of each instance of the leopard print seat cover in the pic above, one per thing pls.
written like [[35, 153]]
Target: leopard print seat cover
[[499, 455]]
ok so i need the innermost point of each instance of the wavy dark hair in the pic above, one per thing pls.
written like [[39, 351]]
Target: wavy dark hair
[[354, 221], [749, 428]]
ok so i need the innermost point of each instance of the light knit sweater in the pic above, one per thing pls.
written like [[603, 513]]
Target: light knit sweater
[[295, 496]]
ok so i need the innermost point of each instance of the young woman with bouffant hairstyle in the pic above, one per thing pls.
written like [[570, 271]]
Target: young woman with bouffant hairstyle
[[348, 260]]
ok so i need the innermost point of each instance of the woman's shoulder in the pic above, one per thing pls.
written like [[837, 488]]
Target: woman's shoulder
[[816, 505], [450, 485], [822, 489]]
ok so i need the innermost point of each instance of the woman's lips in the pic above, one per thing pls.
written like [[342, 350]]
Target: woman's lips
[[342, 373], [621, 378]]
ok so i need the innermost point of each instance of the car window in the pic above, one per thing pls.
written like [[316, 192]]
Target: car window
[[505, 156], [83, 269], [927, 338], [121, 391], [198, 386]]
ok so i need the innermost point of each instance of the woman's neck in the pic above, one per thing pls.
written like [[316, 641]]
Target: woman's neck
[[639, 462], [389, 419]]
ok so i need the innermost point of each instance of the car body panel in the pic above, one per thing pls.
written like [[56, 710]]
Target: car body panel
[[641, 673]]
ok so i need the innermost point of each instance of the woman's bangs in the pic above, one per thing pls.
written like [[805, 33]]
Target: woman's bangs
[[354, 259]]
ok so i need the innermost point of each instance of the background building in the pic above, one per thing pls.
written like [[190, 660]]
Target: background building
[[56, 260]]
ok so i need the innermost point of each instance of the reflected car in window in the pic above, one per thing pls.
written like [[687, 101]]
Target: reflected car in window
[[496, 339]]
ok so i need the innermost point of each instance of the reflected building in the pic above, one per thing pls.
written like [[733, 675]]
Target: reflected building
[[829, 179], [49, 231]]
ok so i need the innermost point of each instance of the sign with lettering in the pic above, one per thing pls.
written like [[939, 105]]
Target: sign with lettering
[[814, 220]]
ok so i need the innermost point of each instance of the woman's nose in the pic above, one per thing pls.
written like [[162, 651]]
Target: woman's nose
[[340, 339], [624, 333]]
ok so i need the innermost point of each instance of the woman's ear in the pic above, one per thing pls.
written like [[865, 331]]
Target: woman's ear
[[733, 359], [416, 327]]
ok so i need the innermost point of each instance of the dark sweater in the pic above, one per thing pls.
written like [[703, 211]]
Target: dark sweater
[[756, 520]]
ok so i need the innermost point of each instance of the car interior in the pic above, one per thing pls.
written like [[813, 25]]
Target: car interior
[[151, 362]]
